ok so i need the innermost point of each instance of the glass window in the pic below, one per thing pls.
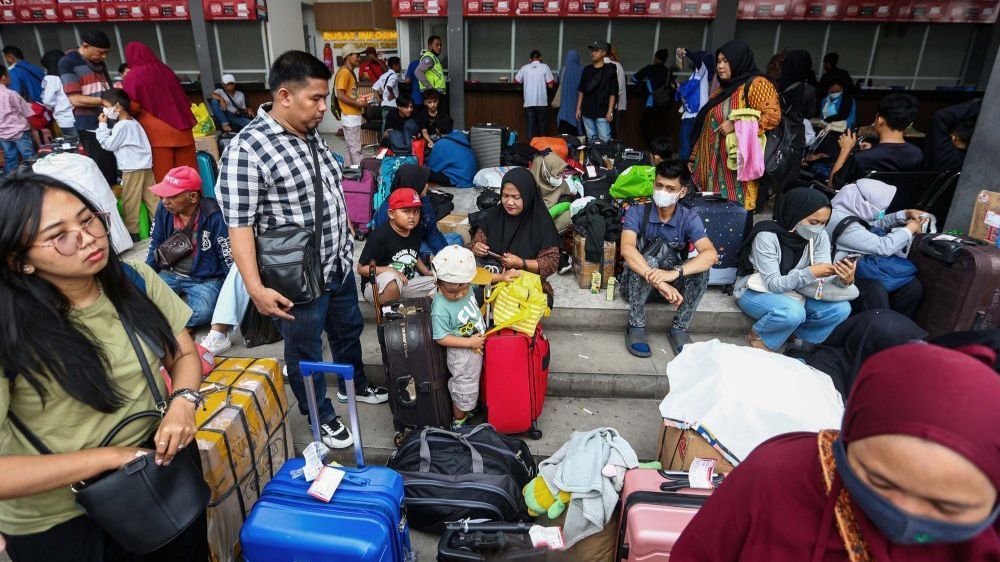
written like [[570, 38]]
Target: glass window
[[240, 46], [806, 35], [760, 36], [945, 51], [853, 42], [634, 41], [489, 44], [896, 56], [22, 37], [178, 42], [541, 34], [54, 37], [578, 33]]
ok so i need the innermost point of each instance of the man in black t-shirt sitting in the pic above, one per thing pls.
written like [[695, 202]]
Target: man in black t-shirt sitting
[[401, 118], [896, 112], [395, 249]]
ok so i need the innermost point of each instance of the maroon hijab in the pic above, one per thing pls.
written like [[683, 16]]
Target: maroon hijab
[[156, 88], [774, 507]]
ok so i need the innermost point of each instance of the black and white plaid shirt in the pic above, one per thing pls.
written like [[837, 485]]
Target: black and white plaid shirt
[[266, 180]]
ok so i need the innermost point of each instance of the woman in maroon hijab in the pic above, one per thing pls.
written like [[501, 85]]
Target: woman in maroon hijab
[[164, 110], [913, 475]]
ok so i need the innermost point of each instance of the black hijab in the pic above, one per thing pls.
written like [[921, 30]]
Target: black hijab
[[527, 234], [742, 69], [858, 338], [796, 205], [413, 176], [796, 68]]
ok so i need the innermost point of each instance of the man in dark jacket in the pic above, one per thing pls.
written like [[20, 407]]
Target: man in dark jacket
[[948, 139], [197, 276]]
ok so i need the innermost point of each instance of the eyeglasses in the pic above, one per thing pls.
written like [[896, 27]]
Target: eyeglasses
[[70, 241]]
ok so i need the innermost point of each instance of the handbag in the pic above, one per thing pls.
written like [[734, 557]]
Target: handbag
[[141, 505], [557, 100], [177, 246], [258, 329], [518, 304], [288, 257]]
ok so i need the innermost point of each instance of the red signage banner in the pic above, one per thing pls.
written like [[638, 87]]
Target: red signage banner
[[36, 11], [419, 8], [921, 10], [8, 13], [689, 8], [160, 10], [640, 8], [240, 10], [71, 11], [868, 10], [589, 8], [540, 8], [126, 10], [475, 8], [981, 11]]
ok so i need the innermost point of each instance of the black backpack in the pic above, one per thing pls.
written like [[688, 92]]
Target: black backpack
[[518, 154], [473, 473]]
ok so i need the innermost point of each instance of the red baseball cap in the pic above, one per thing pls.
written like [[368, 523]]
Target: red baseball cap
[[404, 198], [177, 181]]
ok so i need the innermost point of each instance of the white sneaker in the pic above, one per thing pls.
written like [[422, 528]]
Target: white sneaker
[[216, 342], [371, 395], [335, 434]]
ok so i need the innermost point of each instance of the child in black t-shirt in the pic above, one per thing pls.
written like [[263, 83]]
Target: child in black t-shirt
[[402, 119], [395, 249]]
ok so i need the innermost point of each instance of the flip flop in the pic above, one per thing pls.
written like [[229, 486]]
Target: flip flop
[[679, 338], [636, 342]]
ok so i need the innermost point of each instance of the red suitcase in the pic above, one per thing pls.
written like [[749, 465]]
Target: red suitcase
[[651, 519], [514, 380], [359, 194], [961, 278]]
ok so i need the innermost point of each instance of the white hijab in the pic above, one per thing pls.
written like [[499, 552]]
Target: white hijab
[[864, 198]]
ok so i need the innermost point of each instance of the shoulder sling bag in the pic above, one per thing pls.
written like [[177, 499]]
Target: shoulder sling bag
[[141, 505], [288, 256], [178, 245]]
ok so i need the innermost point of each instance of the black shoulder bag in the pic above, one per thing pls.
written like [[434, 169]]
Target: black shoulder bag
[[648, 248], [141, 505], [288, 257], [178, 245]]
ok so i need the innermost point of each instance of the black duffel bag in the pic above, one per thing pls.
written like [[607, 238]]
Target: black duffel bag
[[474, 473]]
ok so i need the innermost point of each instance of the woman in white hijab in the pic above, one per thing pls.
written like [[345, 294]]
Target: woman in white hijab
[[859, 225]]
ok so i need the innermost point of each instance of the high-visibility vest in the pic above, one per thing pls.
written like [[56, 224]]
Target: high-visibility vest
[[435, 74]]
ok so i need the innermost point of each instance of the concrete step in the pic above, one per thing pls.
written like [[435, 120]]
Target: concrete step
[[637, 420], [586, 364]]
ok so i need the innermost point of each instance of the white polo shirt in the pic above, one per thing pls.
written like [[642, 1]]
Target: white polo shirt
[[535, 76]]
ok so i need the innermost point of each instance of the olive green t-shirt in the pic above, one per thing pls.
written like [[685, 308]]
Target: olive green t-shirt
[[65, 424]]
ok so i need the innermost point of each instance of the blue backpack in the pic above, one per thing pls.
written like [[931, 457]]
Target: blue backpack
[[892, 272]]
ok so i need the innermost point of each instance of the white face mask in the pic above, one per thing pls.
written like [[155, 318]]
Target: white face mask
[[664, 199], [111, 113], [809, 231]]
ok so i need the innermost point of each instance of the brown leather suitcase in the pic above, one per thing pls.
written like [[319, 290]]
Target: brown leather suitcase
[[961, 278]]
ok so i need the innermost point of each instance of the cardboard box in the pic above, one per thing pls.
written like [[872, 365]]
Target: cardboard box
[[986, 217], [584, 269], [209, 144], [457, 223], [679, 447]]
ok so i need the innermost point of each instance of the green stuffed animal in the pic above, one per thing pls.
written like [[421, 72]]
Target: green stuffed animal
[[539, 499]]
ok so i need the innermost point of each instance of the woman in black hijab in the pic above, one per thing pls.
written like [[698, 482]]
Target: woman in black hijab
[[741, 86], [519, 229], [779, 258]]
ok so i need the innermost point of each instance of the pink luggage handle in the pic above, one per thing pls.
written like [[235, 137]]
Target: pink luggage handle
[[312, 368]]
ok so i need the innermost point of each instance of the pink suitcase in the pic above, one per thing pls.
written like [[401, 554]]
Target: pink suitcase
[[652, 519], [359, 195]]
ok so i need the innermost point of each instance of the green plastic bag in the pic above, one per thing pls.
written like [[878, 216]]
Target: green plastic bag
[[635, 181], [144, 221]]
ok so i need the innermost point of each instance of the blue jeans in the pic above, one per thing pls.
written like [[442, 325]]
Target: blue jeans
[[778, 317], [597, 129], [200, 295], [237, 122], [16, 150], [337, 313], [684, 146]]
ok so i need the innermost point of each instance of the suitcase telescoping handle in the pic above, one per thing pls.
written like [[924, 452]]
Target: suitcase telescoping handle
[[373, 279], [447, 552], [311, 369]]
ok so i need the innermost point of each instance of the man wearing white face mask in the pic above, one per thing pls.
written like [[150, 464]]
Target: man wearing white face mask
[[655, 242], [128, 141]]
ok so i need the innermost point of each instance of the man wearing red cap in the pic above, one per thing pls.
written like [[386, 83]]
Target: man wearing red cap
[[394, 248], [189, 245]]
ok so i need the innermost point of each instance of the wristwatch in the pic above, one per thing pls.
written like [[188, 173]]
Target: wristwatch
[[192, 396], [680, 271]]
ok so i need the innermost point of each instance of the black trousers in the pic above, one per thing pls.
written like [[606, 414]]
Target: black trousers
[[537, 119], [80, 540], [105, 160], [874, 296], [654, 124], [565, 128], [440, 179]]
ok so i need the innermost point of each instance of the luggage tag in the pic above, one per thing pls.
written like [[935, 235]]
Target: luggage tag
[[313, 453], [700, 473], [548, 537], [326, 483]]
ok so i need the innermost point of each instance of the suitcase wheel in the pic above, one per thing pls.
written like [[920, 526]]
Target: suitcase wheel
[[398, 439], [534, 433], [358, 235]]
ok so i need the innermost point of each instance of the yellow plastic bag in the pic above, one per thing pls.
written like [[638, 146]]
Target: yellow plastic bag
[[519, 304], [205, 126]]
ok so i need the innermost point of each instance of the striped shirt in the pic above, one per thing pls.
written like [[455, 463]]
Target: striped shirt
[[266, 180], [80, 76]]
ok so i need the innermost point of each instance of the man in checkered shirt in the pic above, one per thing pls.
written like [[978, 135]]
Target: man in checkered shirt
[[267, 180]]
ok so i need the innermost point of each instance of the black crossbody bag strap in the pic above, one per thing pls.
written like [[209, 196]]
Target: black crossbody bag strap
[[318, 205], [161, 405]]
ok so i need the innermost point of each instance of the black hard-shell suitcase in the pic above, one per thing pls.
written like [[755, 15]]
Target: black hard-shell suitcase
[[416, 369], [961, 278], [727, 224]]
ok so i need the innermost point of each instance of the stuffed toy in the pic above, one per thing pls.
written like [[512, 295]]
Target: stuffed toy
[[539, 499]]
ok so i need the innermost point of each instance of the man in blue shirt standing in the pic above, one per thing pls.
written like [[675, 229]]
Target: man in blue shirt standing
[[25, 78], [656, 240]]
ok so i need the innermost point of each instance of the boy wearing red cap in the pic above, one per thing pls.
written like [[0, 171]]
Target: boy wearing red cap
[[395, 249], [195, 275]]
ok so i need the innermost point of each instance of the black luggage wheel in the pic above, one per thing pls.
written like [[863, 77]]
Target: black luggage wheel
[[398, 439], [534, 433]]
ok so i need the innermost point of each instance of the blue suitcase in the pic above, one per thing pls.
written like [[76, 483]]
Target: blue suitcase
[[364, 521], [727, 224]]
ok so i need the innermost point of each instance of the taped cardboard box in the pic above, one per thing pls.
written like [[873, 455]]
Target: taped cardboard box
[[209, 144], [679, 447], [584, 270], [457, 223], [986, 217]]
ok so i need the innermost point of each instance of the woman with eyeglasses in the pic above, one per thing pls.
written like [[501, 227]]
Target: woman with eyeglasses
[[71, 373]]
